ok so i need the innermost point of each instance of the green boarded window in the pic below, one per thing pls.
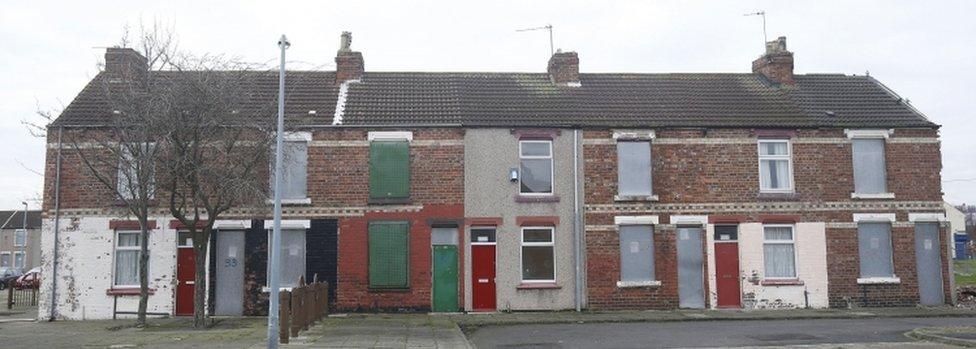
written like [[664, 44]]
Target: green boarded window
[[389, 170], [388, 253]]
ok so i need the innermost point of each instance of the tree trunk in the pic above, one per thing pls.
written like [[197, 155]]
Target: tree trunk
[[200, 281], [143, 271]]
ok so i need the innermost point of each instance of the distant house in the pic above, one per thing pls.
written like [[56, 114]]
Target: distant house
[[19, 247]]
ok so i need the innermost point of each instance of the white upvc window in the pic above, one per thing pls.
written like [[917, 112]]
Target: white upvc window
[[20, 237], [535, 167], [126, 268], [538, 254], [19, 259], [775, 166], [5, 259], [130, 169], [779, 251]]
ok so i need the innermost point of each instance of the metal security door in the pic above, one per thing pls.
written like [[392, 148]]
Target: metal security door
[[691, 293], [230, 273], [928, 258], [445, 273]]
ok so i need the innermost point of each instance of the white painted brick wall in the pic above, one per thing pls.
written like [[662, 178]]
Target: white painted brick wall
[[86, 272], [811, 267]]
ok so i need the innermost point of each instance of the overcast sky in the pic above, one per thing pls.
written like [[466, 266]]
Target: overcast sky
[[925, 51]]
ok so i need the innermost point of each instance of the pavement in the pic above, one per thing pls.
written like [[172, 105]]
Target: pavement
[[382, 331]]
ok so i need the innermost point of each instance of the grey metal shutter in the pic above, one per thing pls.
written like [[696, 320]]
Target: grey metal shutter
[[634, 168], [636, 253], [874, 247], [869, 166]]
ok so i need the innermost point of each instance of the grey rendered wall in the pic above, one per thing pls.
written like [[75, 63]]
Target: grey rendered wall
[[488, 155]]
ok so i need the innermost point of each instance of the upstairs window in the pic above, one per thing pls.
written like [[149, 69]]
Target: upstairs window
[[779, 252], [131, 166], [775, 166], [869, 165], [633, 169], [389, 167], [294, 180], [535, 167], [20, 237]]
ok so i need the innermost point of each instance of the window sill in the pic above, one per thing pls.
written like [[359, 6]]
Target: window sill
[[781, 282], [649, 198], [873, 196], [126, 291], [305, 201], [390, 290], [538, 286], [388, 201], [633, 284], [879, 280], [536, 198], [267, 289]]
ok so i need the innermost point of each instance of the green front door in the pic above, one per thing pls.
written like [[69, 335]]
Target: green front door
[[445, 278]]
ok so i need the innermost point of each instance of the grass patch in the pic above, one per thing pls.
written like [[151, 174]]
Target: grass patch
[[965, 272]]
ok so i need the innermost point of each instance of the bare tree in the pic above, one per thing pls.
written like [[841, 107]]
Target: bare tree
[[217, 148]]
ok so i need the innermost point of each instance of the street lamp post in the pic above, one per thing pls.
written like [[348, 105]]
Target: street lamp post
[[23, 246], [276, 233]]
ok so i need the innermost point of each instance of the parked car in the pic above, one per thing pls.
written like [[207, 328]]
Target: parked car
[[30, 279], [8, 275]]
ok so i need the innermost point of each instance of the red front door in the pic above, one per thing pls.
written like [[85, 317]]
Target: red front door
[[483, 277], [185, 273], [727, 274]]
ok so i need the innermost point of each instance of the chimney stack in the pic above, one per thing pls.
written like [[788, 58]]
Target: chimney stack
[[777, 63], [564, 68], [349, 63], [125, 62]]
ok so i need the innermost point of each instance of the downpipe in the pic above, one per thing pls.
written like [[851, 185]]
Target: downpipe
[[57, 228], [577, 223]]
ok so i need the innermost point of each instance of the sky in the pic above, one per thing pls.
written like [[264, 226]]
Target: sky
[[924, 51]]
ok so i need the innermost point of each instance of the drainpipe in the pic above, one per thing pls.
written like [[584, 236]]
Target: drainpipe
[[57, 227], [577, 221]]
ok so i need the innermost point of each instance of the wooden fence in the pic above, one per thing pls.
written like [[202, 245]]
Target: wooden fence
[[22, 298], [301, 307]]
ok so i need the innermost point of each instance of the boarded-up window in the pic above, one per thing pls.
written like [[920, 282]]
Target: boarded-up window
[[869, 166], [294, 163], [389, 169], [634, 168], [388, 252], [636, 253], [292, 256], [874, 247]]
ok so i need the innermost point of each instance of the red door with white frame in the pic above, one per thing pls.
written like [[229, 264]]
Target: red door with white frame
[[727, 286], [483, 269], [185, 276]]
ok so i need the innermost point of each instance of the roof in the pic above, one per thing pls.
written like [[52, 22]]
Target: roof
[[15, 219], [602, 100]]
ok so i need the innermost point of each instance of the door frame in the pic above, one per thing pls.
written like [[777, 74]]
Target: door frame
[[176, 293], [457, 261], [471, 257], [738, 271]]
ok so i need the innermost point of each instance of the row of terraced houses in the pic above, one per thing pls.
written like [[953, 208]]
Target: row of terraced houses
[[446, 192]]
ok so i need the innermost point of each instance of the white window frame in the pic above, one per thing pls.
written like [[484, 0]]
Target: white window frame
[[10, 260], [115, 250], [23, 260], [791, 241], [551, 244], [20, 232], [789, 160], [552, 166]]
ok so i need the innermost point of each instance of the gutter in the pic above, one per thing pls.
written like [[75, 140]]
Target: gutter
[[57, 228]]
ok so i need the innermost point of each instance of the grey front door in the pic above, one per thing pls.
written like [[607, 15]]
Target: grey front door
[[691, 293], [928, 259], [230, 273]]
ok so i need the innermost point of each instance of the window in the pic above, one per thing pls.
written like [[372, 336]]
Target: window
[[18, 259], [292, 256], [726, 233], [869, 165], [636, 253], [20, 237], [127, 258], [389, 169], [538, 264], [130, 169], [633, 168], [388, 255], [483, 235], [294, 167], [4, 259], [874, 248], [535, 167], [775, 166], [779, 252]]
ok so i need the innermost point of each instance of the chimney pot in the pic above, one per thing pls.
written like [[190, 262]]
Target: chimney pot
[[777, 63], [564, 68], [349, 63]]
